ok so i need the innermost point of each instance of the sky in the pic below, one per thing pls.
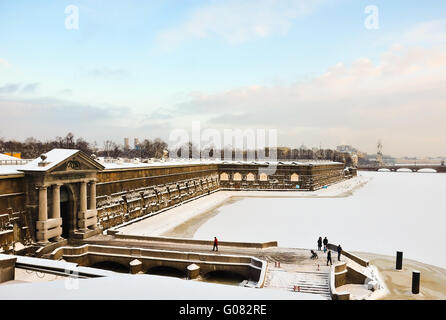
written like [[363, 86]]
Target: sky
[[321, 73]]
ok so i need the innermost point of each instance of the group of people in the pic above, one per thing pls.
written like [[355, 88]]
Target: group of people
[[324, 242], [314, 256]]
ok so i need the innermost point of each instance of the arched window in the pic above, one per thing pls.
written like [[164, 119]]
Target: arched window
[[250, 177], [294, 177], [224, 176], [263, 177], [237, 177]]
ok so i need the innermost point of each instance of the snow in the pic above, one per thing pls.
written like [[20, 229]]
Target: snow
[[6, 157], [10, 169], [54, 157], [392, 212], [427, 170], [130, 287], [182, 162]]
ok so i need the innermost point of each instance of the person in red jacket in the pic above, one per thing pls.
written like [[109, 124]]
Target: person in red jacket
[[215, 244]]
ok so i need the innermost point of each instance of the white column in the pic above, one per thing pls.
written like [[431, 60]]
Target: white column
[[43, 204], [56, 202], [92, 204]]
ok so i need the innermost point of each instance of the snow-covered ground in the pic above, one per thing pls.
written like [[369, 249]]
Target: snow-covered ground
[[145, 287], [394, 211]]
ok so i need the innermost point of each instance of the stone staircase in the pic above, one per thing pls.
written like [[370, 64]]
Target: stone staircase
[[305, 282]]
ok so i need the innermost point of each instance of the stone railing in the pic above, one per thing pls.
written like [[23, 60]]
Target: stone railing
[[88, 255], [256, 245], [351, 256], [338, 276]]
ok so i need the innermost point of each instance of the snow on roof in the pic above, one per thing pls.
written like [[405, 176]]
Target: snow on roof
[[54, 157], [10, 170], [6, 157], [179, 162]]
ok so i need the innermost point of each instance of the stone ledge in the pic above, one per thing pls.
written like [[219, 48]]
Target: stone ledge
[[48, 224]]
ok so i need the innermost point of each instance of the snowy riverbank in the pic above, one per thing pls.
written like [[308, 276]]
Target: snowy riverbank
[[196, 212], [375, 212]]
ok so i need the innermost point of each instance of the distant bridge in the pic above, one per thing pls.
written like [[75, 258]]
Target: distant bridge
[[412, 167]]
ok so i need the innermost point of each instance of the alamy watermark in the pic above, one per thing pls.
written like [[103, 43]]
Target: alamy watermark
[[371, 22], [71, 281], [72, 20], [246, 145]]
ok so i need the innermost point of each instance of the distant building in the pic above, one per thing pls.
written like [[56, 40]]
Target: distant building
[[126, 144], [346, 148], [14, 154]]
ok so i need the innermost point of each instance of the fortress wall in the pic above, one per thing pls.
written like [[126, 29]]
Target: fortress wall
[[309, 177], [126, 194], [12, 193], [14, 221]]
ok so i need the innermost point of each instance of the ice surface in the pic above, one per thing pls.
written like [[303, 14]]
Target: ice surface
[[394, 211]]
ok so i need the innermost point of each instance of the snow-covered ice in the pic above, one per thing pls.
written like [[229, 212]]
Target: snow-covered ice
[[395, 211], [378, 212]]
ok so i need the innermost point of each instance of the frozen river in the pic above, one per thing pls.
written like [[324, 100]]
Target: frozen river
[[398, 211]]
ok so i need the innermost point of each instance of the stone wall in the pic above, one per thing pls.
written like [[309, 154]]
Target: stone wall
[[126, 194], [286, 176], [123, 194], [14, 219], [12, 192]]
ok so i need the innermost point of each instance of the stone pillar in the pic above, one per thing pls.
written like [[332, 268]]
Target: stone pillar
[[399, 260], [135, 266], [43, 204], [83, 197], [92, 203], [56, 202], [415, 282]]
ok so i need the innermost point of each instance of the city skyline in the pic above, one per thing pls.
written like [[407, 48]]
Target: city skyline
[[310, 69]]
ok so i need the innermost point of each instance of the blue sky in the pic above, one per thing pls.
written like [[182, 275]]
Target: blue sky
[[141, 69]]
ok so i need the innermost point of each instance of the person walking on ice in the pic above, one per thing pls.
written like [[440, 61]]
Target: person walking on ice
[[215, 248], [329, 258], [325, 244]]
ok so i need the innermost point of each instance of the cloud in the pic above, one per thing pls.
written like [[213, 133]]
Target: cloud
[[46, 118], [49, 117], [433, 31], [4, 63], [400, 100], [237, 21], [30, 87], [9, 88]]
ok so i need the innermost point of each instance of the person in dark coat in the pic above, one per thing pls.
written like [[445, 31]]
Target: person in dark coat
[[339, 249], [325, 244], [215, 244], [329, 257], [319, 243]]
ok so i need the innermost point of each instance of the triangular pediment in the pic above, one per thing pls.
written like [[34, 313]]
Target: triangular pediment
[[63, 160], [77, 162]]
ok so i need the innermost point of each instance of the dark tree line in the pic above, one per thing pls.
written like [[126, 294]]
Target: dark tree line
[[32, 148]]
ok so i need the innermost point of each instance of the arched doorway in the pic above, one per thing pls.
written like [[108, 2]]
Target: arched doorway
[[66, 209]]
